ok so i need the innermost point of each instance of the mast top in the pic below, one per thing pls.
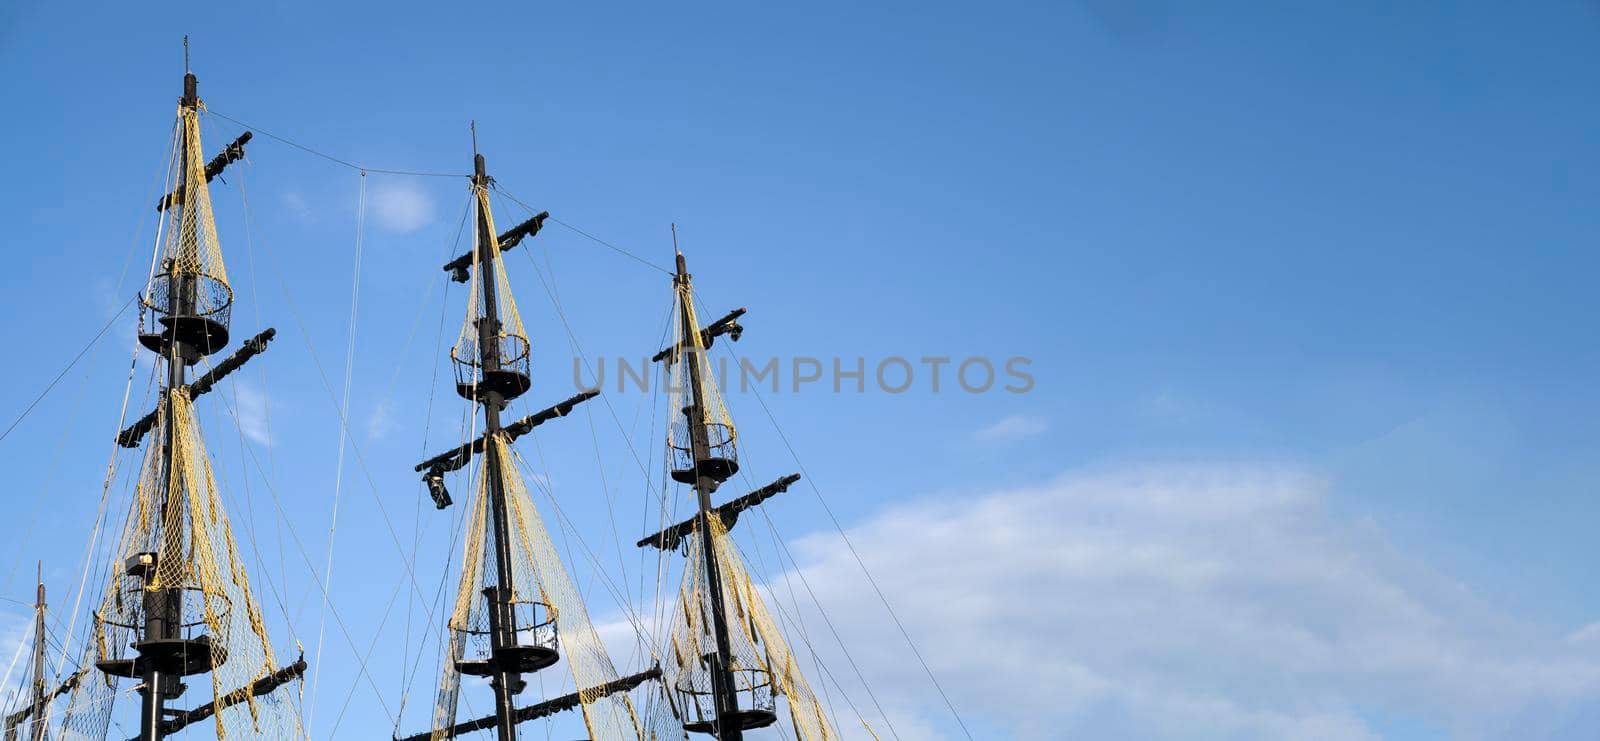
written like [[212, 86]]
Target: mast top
[[480, 171], [191, 97], [683, 268]]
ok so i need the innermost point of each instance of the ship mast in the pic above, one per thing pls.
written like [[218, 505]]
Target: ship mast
[[39, 697], [706, 481], [181, 601], [493, 365], [729, 687], [531, 605], [502, 631], [163, 608], [38, 662]]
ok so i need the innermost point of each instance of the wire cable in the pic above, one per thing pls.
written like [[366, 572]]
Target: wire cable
[[591, 237], [329, 157], [68, 369], [853, 553], [344, 417]]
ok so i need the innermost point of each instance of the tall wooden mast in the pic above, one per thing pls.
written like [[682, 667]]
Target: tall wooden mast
[[39, 696], [729, 661], [164, 662], [180, 600], [530, 606], [707, 477], [507, 682]]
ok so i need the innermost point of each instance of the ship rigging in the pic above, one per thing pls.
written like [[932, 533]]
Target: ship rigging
[[178, 625]]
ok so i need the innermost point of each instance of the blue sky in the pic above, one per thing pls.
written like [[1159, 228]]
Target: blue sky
[[1307, 291]]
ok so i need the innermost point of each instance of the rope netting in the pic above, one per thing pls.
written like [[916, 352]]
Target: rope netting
[[510, 349], [87, 714], [190, 278], [85, 708], [35, 693], [721, 437], [198, 572], [541, 591], [804, 710], [762, 664], [467, 613]]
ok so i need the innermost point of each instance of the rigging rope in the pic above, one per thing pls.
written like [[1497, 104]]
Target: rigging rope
[[68, 369], [344, 416], [266, 412], [316, 580], [799, 618], [407, 679], [408, 563], [235, 410], [331, 158], [163, 181], [653, 641], [610, 498], [344, 431], [811, 481], [591, 237], [22, 646], [417, 173]]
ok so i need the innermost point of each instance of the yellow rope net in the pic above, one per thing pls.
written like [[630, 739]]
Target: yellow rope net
[[196, 558], [541, 587], [466, 608], [762, 661], [762, 665], [190, 273], [511, 340], [804, 710], [721, 437], [177, 512]]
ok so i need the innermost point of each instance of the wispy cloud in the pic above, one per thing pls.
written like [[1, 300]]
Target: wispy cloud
[[1011, 429], [1587, 634], [254, 414], [1168, 407], [1179, 603], [381, 422], [401, 208], [295, 203]]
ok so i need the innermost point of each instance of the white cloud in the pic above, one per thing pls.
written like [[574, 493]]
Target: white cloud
[[296, 204], [1587, 634], [381, 422], [252, 410], [401, 208], [1170, 407], [1186, 603], [1011, 429]]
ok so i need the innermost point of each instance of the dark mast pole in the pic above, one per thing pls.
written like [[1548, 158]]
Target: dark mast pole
[[38, 662], [502, 623], [722, 684], [163, 609]]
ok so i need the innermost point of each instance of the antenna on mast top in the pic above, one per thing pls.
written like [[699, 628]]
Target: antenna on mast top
[[191, 98], [480, 174], [683, 268]]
